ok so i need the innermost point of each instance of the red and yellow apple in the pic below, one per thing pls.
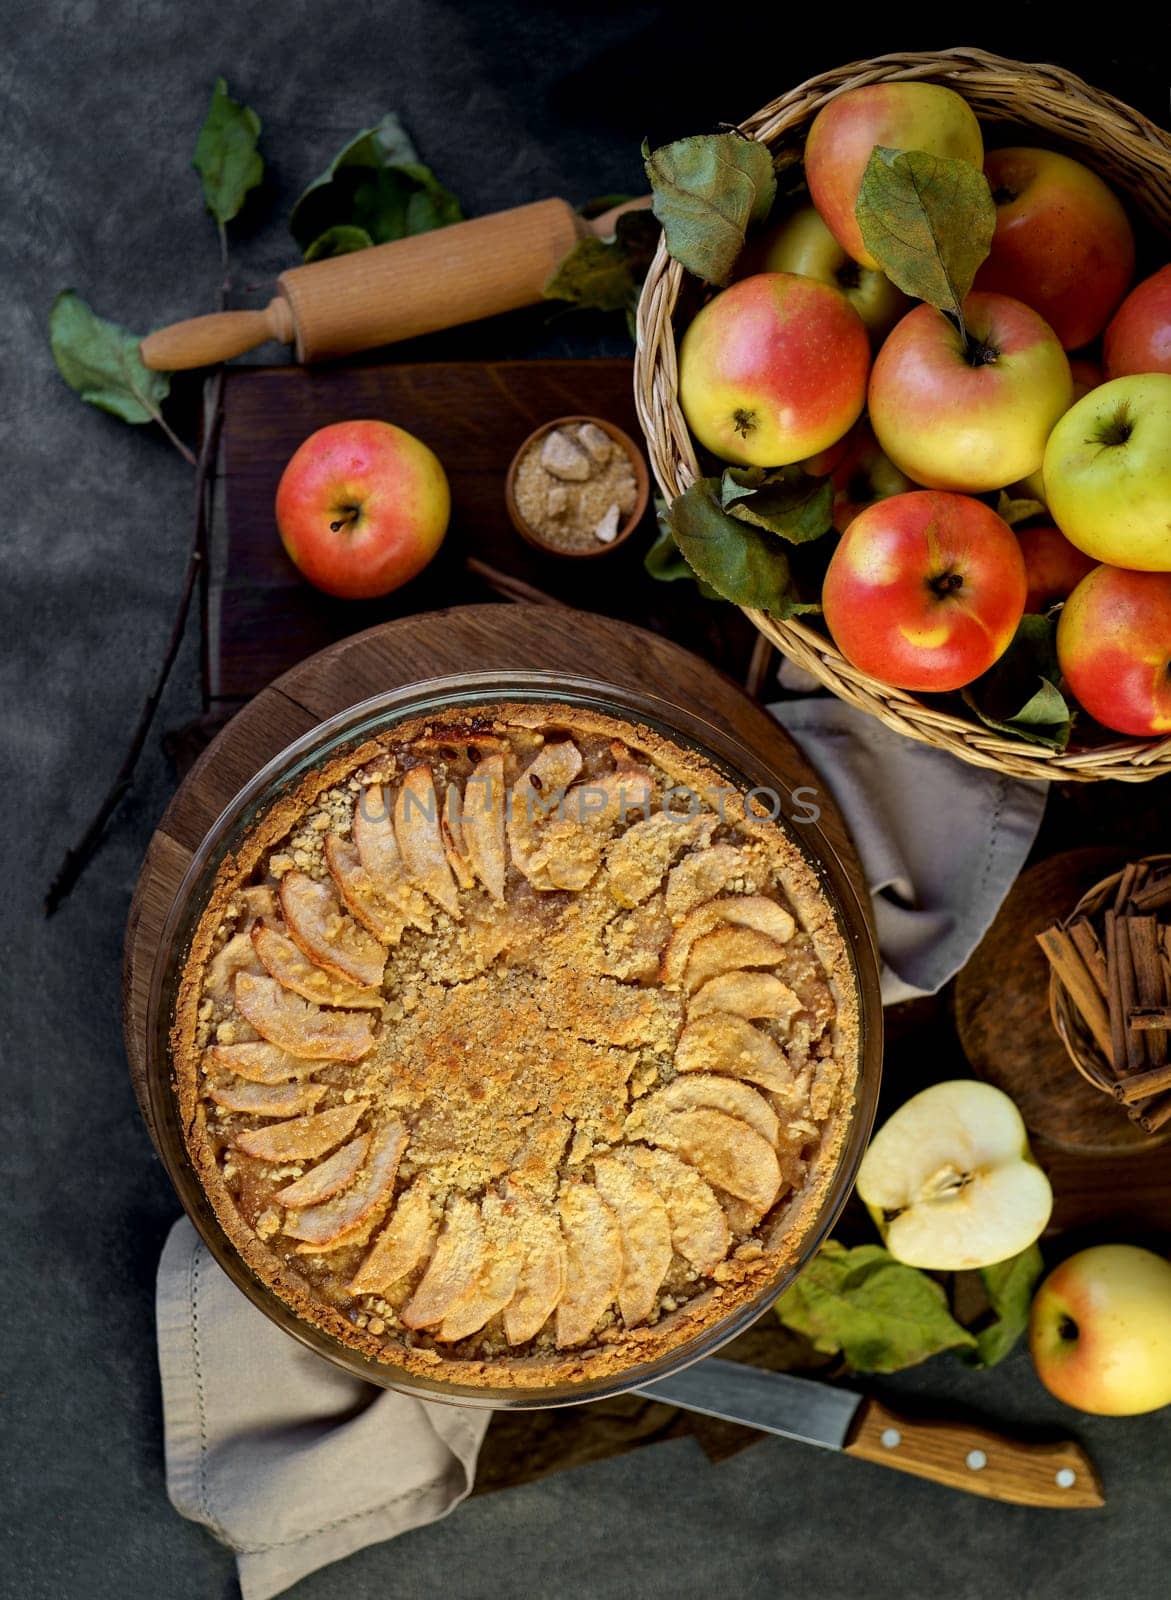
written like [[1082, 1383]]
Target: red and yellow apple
[[1139, 336], [969, 416], [1108, 472], [803, 244], [1053, 566], [361, 508], [1100, 1331], [1114, 648], [863, 475], [901, 116], [925, 590], [1063, 243], [773, 370]]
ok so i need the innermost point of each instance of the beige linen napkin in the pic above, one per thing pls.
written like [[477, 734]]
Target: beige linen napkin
[[287, 1459]]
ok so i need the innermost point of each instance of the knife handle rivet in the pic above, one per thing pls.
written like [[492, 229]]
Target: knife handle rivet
[[891, 1438], [977, 1460], [1066, 1478]]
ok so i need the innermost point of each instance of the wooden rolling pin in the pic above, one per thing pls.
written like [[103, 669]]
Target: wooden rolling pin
[[394, 291]]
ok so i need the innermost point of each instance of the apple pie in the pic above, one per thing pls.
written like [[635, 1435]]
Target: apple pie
[[516, 1047]]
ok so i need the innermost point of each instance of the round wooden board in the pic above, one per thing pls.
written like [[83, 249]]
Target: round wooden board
[[466, 639], [1002, 1013]]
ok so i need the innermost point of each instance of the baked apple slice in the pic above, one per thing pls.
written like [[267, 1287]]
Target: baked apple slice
[[238, 955], [639, 859], [692, 1090], [331, 939], [593, 1263], [292, 969], [407, 1239], [541, 1281], [725, 1150], [297, 1026], [323, 1227], [747, 911], [420, 840], [729, 950], [267, 1100], [328, 1177], [303, 1138], [385, 914], [483, 824], [747, 995], [260, 1062], [496, 1284], [454, 1268], [454, 845], [699, 1229], [535, 802], [646, 1236], [704, 875], [720, 1042]]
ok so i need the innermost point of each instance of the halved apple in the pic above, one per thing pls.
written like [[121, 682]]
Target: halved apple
[[950, 1180]]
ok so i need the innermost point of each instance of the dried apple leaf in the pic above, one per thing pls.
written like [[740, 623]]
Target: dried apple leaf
[[928, 221], [100, 361], [784, 501], [708, 191], [226, 157], [1015, 511], [1008, 1288], [594, 275], [880, 1315]]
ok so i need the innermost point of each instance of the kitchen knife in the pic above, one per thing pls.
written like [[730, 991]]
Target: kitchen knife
[[395, 291], [952, 1453]]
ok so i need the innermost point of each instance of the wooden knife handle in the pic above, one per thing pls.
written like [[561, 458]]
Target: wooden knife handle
[[205, 341], [976, 1459]]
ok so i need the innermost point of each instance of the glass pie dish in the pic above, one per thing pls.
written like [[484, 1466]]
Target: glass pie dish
[[745, 772]]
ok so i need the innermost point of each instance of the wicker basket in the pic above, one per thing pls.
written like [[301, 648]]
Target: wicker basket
[[1133, 154], [1067, 1019]]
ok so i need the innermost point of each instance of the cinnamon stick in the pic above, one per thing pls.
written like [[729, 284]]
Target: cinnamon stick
[[1148, 981], [1117, 1052], [1125, 885], [1089, 947], [1154, 895], [1154, 1117], [1149, 1017], [1143, 1086], [1063, 957]]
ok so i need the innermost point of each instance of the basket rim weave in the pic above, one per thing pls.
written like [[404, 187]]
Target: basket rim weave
[[1133, 153]]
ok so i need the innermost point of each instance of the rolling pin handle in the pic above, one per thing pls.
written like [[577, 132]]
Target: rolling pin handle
[[205, 341]]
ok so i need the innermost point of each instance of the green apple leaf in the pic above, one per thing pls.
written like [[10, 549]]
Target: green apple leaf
[[880, 1315], [739, 562], [928, 221], [378, 184], [226, 157], [341, 240], [708, 190], [784, 501], [1021, 693], [1016, 511], [100, 361], [1008, 1288], [663, 561], [594, 274]]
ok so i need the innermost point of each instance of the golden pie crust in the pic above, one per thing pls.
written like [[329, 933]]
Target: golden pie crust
[[515, 1048]]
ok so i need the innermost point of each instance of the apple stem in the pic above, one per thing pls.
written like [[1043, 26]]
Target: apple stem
[[350, 515]]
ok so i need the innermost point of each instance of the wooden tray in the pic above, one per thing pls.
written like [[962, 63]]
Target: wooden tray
[[261, 618]]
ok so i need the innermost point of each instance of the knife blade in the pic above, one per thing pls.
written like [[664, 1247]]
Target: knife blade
[[959, 1455]]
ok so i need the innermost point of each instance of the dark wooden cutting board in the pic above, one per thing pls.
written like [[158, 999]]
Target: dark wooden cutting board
[[262, 618]]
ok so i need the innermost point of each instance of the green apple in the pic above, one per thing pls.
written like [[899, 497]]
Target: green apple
[[1108, 473], [802, 243], [1100, 1331], [950, 1182]]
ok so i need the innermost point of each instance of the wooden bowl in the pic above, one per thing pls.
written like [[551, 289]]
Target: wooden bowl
[[625, 529]]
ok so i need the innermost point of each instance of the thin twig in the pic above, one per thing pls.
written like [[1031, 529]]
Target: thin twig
[[78, 857], [503, 583], [184, 450]]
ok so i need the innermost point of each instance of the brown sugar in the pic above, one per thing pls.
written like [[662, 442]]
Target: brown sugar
[[574, 487]]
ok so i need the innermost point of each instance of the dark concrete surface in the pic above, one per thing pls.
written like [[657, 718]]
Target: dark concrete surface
[[99, 105]]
